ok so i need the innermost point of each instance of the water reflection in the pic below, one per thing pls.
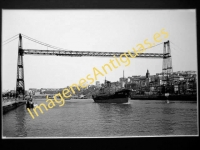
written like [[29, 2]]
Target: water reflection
[[111, 112], [20, 120], [167, 120]]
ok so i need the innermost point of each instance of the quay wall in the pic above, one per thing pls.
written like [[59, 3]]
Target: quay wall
[[11, 106], [162, 97]]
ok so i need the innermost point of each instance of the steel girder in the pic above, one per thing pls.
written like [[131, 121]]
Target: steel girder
[[88, 53]]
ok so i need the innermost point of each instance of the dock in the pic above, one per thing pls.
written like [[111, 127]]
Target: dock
[[181, 97], [12, 103]]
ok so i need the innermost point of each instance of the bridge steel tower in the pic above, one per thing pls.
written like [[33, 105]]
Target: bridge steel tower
[[167, 60], [20, 85]]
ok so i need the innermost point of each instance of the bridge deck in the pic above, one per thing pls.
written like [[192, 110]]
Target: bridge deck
[[88, 53]]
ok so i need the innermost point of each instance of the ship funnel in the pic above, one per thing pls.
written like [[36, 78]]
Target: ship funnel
[[123, 84]]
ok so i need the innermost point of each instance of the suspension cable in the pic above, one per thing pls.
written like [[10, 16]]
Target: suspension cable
[[10, 38], [10, 41], [58, 48], [39, 42]]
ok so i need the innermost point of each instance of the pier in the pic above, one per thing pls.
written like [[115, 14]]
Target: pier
[[10, 104]]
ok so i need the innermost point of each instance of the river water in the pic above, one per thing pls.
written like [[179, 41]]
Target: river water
[[84, 118]]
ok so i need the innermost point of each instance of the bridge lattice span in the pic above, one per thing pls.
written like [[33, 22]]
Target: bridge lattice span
[[20, 86], [86, 53]]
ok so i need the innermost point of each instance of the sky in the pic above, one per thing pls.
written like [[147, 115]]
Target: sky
[[93, 30]]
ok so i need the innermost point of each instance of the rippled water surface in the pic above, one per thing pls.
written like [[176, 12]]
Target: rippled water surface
[[84, 118]]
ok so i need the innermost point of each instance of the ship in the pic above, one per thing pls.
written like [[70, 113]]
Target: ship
[[112, 93], [121, 96]]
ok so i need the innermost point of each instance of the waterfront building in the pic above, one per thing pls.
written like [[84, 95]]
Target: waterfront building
[[33, 89], [180, 82], [50, 90], [91, 87], [154, 84]]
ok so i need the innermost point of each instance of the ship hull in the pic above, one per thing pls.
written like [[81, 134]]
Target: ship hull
[[118, 97], [115, 100]]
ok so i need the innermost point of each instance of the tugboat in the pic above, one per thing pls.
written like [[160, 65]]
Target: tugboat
[[29, 102], [109, 94]]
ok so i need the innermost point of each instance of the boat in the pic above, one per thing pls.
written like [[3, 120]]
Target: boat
[[35, 103], [121, 96], [109, 94], [30, 103], [82, 96]]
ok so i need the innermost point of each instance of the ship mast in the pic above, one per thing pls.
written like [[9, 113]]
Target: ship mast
[[123, 80]]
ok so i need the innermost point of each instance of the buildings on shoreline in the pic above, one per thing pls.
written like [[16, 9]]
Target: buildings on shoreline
[[180, 82]]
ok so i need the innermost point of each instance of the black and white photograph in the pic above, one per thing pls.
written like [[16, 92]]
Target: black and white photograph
[[99, 73]]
